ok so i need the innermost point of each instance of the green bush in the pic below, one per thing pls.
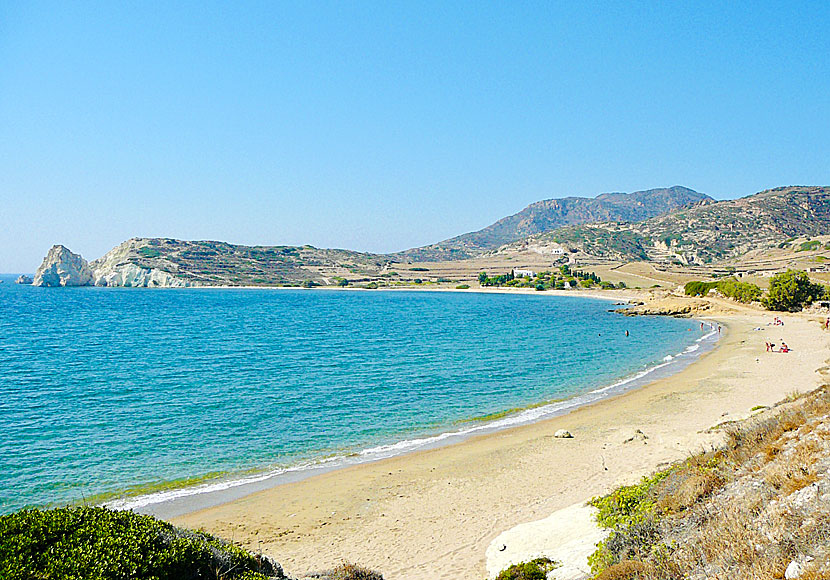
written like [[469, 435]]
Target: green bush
[[93, 543], [790, 291], [534, 570], [462, 287], [729, 287], [809, 245], [149, 252]]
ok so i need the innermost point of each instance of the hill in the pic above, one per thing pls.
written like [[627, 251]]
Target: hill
[[169, 262], [700, 234], [550, 214]]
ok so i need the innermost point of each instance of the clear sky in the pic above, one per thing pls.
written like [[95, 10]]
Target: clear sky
[[380, 126]]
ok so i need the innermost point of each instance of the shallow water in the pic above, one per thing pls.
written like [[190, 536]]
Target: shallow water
[[105, 389]]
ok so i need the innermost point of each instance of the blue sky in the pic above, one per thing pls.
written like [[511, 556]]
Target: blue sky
[[380, 126]]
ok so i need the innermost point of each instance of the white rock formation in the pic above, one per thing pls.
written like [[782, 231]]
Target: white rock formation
[[115, 269], [567, 536], [134, 276], [23, 279], [61, 267]]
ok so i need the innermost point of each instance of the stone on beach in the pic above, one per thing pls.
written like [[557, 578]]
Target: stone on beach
[[563, 434]]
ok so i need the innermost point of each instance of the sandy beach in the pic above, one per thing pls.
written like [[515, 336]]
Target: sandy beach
[[433, 514]]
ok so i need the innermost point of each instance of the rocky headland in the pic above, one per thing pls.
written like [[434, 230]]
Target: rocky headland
[[61, 267]]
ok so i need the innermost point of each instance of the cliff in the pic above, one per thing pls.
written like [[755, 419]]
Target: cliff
[[61, 267], [132, 265]]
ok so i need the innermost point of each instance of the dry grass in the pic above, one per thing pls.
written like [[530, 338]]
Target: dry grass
[[744, 510], [625, 570], [348, 571]]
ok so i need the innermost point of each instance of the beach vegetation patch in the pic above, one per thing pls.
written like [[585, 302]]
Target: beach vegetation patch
[[792, 290], [534, 570], [729, 287], [463, 287], [96, 543]]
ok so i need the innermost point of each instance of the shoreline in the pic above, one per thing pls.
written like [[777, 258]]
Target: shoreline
[[433, 513], [182, 500]]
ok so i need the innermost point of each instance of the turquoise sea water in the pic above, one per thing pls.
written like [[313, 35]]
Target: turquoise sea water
[[105, 389]]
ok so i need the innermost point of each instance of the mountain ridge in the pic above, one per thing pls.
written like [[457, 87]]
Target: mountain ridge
[[702, 233], [549, 214]]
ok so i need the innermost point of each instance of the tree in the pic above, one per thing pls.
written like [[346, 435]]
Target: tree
[[790, 291], [482, 278]]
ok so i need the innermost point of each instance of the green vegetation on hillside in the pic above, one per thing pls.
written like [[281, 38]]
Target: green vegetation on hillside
[[809, 246], [93, 543]]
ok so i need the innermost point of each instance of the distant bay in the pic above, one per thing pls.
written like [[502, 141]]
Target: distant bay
[[107, 391]]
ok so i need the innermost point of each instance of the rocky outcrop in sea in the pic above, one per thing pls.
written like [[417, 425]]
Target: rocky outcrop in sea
[[23, 279], [61, 267]]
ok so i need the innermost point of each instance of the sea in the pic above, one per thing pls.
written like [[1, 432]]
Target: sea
[[136, 398]]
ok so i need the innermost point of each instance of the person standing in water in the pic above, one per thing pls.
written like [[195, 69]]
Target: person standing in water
[[626, 333]]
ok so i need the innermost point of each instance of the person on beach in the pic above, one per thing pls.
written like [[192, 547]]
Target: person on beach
[[718, 328], [767, 345], [784, 347]]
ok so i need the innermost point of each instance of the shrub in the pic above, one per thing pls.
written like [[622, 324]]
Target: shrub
[[625, 570], [809, 245], [149, 252], [790, 291], [729, 287], [462, 287], [534, 570], [350, 572], [94, 543]]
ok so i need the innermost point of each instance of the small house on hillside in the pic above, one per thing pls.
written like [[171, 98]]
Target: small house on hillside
[[523, 273]]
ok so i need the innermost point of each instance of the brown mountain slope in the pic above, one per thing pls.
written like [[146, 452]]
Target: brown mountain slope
[[547, 215]]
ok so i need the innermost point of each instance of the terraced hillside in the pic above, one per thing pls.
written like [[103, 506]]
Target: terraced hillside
[[224, 264], [550, 214], [700, 234]]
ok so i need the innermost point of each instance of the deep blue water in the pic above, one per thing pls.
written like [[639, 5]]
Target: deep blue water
[[103, 389]]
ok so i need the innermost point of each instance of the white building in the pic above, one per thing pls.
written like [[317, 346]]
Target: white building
[[523, 273]]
